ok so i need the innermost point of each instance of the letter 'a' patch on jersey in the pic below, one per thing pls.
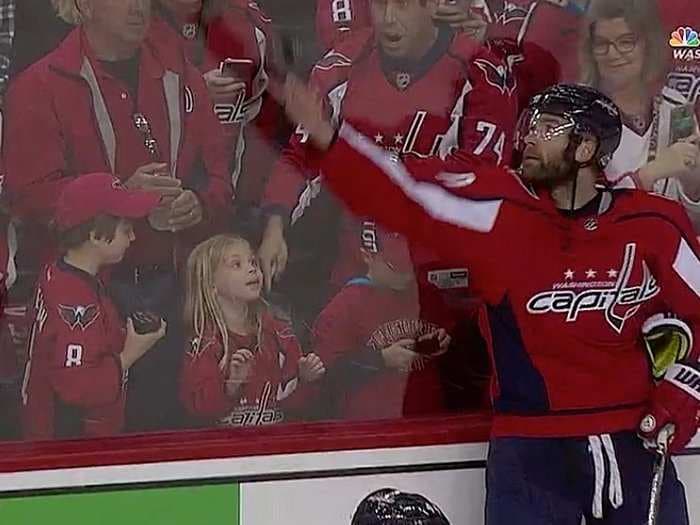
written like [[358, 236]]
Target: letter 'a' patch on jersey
[[78, 316]]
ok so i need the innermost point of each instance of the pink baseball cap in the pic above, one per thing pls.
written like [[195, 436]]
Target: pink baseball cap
[[390, 246], [88, 196]]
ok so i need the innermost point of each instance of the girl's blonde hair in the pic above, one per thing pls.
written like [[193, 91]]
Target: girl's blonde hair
[[642, 17], [67, 10], [202, 309]]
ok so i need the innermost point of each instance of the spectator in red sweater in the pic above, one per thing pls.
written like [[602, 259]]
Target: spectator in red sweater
[[243, 367]]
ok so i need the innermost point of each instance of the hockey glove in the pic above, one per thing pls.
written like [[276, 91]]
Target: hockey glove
[[674, 401], [668, 340]]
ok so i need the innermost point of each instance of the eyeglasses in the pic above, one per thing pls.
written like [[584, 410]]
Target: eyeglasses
[[623, 45], [141, 123]]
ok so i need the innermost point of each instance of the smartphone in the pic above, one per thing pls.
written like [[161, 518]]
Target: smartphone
[[240, 68], [430, 346], [683, 123]]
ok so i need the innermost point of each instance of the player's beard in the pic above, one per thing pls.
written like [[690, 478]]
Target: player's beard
[[548, 174]]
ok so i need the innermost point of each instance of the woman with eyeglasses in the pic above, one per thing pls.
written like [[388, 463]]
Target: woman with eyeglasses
[[624, 53]]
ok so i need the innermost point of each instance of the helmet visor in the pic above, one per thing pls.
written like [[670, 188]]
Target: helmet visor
[[540, 126]]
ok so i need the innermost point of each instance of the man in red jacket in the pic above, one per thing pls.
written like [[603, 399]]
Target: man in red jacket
[[573, 276], [115, 97]]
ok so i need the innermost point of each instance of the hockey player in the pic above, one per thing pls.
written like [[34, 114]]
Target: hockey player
[[570, 272], [393, 507]]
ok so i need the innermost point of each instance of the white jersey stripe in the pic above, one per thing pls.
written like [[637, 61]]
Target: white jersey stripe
[[11, 270], [687, 266], [474, 215]]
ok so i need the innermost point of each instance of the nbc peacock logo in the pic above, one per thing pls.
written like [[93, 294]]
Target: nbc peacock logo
[[685, 43], [685, 37]]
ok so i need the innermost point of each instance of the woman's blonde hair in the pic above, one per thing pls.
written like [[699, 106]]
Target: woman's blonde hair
[[202, 309], [642, 17], [67, 10]]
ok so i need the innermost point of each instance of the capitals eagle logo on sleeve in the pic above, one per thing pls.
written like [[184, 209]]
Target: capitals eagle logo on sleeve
[[498, 75], [81, 316]]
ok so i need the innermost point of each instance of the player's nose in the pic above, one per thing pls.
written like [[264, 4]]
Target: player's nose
[[531, 138]]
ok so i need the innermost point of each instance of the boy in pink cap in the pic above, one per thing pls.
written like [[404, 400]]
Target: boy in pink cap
[[80, 349]]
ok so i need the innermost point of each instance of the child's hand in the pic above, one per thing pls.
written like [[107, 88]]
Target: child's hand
[[311, 368], [239, 369], [442, 341], [136, 345], [400, 356]]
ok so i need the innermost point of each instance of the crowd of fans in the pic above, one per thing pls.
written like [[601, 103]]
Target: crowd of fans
[[244, 294]]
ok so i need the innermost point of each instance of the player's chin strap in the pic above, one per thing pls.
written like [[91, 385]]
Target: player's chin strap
[[570, 155], [598, 444]]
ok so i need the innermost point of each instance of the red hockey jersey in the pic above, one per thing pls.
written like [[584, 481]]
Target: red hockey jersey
[[73, 384], [457, 102], [363, 317], [566, 296], [272, 390], [550, 25], [244, 32]]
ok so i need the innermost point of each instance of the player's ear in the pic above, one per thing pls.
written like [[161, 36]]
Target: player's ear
[[586, 150]]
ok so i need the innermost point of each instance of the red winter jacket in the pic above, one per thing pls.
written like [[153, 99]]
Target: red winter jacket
[[66, 116]]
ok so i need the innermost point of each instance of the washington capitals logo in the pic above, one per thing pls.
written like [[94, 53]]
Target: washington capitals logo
[[79, 315], [333, 59], [619, 300], [189, 31], [499, 75], [512, 13]]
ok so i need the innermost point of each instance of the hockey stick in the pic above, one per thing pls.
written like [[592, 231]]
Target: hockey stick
[[657, 481]]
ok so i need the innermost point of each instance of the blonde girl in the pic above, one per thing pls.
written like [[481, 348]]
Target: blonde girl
[[242, 367]]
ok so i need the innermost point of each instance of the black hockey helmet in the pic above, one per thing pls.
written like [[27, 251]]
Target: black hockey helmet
[[393, 507], [585, 111]]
